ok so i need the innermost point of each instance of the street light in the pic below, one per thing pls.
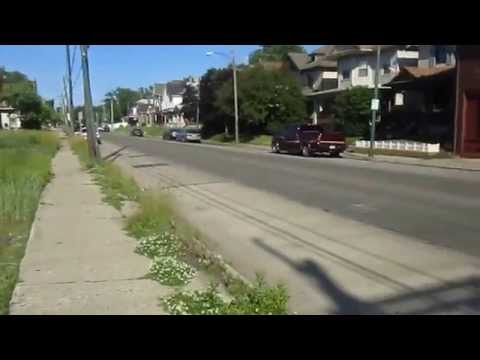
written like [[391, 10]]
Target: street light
[[231, 57]]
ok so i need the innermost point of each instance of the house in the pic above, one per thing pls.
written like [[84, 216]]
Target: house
[[467, 114], [314, 72], [168, 99], [9, 117], [356, 66], [421, 103]]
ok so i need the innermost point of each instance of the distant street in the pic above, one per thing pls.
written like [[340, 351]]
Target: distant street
[[436, 206]]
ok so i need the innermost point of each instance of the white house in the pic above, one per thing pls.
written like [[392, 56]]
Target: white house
[[357, 63], [9, 118]]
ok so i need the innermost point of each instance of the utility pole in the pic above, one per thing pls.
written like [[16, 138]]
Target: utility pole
[[91, 126], [70, 88], [235, 100], [111, 110], [198, 104], [69, 121], [374, 109]]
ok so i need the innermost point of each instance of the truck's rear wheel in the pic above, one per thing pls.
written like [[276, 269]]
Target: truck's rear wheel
[[305, 151]]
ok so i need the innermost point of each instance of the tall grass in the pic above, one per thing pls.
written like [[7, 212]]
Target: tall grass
[[25, 159]]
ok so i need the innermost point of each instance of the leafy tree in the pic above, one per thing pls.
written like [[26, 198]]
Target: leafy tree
[[352, 110], [190, 102], [124, 99], [213, 118], [267, 99], [274, 53]]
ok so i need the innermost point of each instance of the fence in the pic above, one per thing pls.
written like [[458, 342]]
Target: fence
[[402, 145]]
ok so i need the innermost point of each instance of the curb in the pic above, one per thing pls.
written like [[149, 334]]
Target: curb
[[365, 158], [202, 250]]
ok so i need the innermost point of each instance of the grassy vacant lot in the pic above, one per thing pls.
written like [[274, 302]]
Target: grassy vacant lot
[[263, 140], [25, 159]]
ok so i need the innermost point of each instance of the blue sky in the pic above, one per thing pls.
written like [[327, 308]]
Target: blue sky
[[111, 66]]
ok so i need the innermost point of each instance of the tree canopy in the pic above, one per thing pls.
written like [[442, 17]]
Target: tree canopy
[[267, 99], [352, 110], [190, 102], [274, 53]]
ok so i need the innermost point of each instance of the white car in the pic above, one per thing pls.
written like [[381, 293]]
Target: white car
[[83, 133]]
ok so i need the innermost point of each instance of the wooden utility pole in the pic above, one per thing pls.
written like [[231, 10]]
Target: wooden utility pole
[[94, 150], [70, 87], [68, 117]]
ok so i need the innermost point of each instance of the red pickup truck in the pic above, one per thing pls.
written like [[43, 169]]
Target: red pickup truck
[[308, 140]]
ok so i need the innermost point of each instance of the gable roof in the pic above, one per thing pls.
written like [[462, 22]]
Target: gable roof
[[299, 59], [411, 73], [176, 87], [346, 50], [321, 63], [324, 50]]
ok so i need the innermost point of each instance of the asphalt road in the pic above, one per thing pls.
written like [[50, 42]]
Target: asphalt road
[[437, 206]]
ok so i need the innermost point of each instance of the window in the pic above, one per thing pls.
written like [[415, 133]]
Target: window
[[386, 69], [363, 72], [346, 74]]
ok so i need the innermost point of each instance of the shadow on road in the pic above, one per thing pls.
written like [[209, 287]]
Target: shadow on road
[[459, 297]]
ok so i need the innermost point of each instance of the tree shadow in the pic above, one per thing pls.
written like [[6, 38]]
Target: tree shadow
[[459, 297]]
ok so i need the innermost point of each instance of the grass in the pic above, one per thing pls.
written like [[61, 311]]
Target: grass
[[411, 154], [261, 140], [116, 187], [25, 161], [154, 130], [122, 130]]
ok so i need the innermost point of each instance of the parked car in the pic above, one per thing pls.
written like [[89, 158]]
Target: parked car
[[84, 134], [170, 134], [190, 135], [136, 131], [308, 140]]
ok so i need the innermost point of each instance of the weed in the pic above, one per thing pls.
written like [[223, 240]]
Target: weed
[[260, 299], [168, 270], [165, 244]]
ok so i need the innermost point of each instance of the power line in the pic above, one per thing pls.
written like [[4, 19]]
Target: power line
[[77, 76]]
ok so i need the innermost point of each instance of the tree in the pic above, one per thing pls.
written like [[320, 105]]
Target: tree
[[274, 53], [352, 110], [267, 100], [214, 120], [190, 102], [124, 98]]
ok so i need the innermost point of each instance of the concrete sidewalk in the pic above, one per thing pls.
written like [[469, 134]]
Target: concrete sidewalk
[[452, 164], [78, 259], [330, 264]]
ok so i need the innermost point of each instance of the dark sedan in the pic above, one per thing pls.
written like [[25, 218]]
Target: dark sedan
[[170, 134]]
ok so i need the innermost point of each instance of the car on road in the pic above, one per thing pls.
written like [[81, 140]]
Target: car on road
[[84, 133], [170, 134], [189, 135], [308, 140]]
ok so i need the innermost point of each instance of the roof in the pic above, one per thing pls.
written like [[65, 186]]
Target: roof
[[409, 73], [419, 72], [159, 88], [176, 87], [346, 50], [321, 63], [303, 61], [324, 50], [299, 59]]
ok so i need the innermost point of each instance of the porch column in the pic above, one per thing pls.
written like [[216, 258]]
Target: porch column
[[315, 110]]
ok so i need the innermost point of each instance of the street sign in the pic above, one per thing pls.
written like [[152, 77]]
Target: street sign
[[375, 106]]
